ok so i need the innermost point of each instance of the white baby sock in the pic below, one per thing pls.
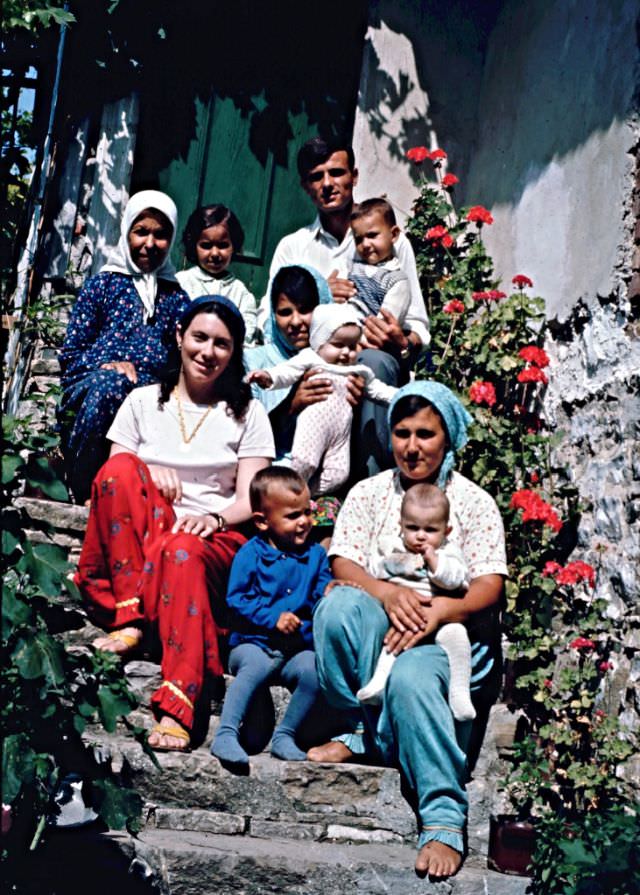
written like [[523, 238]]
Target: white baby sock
[[454, 641], [372, 692]]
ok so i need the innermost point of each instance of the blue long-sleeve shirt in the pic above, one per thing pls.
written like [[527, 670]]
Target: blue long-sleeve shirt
[[264, 582]]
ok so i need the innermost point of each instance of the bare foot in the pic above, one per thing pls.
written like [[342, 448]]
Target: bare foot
[[119, 642], [437, 860], [169, 736], [334, 752]]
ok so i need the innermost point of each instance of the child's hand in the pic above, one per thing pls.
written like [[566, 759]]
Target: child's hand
[[262, 377], [430, 557], [288, 623]]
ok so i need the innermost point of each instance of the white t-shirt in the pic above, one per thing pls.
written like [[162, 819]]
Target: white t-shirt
[[208, 465]]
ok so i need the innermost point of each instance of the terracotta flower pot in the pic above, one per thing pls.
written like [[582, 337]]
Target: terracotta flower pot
[[511, 844]]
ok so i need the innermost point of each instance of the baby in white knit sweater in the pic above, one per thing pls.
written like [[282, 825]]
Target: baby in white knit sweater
[[320, 451]]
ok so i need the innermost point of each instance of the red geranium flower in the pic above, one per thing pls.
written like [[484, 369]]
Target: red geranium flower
[[478, 214], [535, 509], [449, 180], [532, 374], [548, 683], [436, 232], [534, 355], [454, 307], [520, 280], [535, 478], [605, 666], [418, 154], [582, 643], [550, 568], [437, 154], [482, 392], [575, 572], [480, 296], [496, 295]]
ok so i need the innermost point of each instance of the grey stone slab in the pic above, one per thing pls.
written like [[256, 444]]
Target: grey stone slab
[[274, 829], [345, 833], [220, 822], [63, 516], [196, 863]]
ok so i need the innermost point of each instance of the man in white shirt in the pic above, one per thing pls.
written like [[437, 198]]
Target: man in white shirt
[[328, 175]]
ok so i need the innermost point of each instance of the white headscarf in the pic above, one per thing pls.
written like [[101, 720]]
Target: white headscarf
[[327, 319], [120, 260]]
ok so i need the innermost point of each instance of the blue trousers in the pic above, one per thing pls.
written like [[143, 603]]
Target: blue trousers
[[253, 667], [414, 729], [370, 440]]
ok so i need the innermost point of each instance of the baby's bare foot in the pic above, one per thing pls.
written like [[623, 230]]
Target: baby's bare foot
[[437, 860]]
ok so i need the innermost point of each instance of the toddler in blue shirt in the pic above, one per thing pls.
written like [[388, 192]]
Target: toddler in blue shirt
[[276, 580]]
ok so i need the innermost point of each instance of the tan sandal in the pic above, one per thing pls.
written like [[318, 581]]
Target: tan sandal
[[171, 730]]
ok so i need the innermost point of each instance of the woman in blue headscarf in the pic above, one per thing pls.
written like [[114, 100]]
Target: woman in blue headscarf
[[295, 292], [414, 727]]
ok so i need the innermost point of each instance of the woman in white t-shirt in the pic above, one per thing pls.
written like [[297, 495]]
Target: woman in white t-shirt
[[160, 537]]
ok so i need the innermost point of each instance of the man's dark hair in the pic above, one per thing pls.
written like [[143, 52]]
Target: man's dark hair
[[273, 475], [298, 285], [317, 150]]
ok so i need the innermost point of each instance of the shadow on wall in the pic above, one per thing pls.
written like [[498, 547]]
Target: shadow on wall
[[510, 86]]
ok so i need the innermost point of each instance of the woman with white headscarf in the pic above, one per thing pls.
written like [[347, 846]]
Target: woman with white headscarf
[[119, 334]]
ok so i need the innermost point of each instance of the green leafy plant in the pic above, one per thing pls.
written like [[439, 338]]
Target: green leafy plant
[[596, 857], [49, 694], [562, 646]]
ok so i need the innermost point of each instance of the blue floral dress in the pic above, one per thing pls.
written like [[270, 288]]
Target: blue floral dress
[[107, 324]]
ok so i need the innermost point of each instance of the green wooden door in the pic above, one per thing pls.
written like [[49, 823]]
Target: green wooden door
[[232, 129]]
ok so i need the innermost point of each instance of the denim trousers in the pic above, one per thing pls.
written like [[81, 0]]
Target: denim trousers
[[414, 728]]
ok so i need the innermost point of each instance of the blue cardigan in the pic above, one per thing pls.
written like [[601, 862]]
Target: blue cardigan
[[264, 582]]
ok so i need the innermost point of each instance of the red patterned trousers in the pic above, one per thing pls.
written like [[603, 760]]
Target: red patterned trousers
[[134, 571]]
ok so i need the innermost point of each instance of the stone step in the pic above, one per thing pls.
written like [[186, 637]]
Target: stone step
[[292, 800], [168, 862], [56, 522]]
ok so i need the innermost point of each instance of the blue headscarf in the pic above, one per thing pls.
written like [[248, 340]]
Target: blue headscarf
[[276, 348], [455, 418], [213, 299]]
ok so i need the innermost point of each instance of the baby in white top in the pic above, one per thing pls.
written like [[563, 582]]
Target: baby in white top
[[425, 561], [320, 451], [376, 272]]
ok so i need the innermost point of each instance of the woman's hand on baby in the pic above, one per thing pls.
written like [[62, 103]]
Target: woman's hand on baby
[[196, 525], [288, 623], [167, 482], [406, 608], [309, 391], [397, 641], [262, 377], [341, 289], [122, 366]]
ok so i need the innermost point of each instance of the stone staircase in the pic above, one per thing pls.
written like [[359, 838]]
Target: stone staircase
[[292, 827]]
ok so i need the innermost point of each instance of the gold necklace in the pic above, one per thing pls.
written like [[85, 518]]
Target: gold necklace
[[187, 439]]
